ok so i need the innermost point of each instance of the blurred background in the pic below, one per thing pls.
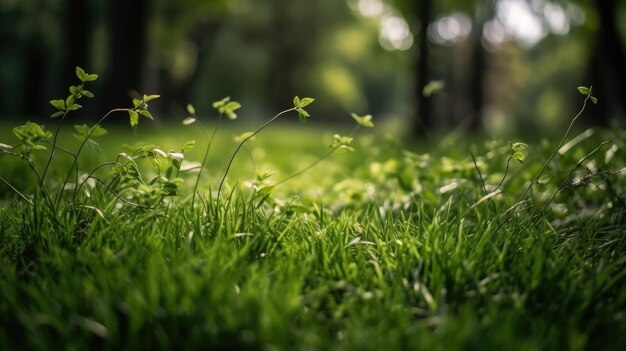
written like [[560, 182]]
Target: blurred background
[[507, 66]]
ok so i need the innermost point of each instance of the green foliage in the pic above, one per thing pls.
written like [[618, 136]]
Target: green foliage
[[363, 121], [31, 134], [418, 250], [227, 107], [341, 143], [588, 92], [76, 93], [140, 108], [299, 106], [433, 87], [518, 150]]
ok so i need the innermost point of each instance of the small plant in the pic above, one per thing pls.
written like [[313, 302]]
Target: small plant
[[224, 107], [298, 106], [33, 137]]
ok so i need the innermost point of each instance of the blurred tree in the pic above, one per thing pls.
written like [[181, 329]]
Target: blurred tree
[[419, 15], [183, 35], [483, 12], [27, 54], [608, 64], [78, 24], [127, 24]]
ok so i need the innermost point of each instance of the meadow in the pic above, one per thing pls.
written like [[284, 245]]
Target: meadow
[[464, 243]]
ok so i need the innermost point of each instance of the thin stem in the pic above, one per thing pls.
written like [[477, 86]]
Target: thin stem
[[17, 191], [232, 158], [545, 165], [91, 175], [80, 148], [506, 172], [119, 197], [54, 143], [480, 176], [30, 162], [571, 172], [206, 154], [323, 157], [326, 155], [60, 149], [509, 212]]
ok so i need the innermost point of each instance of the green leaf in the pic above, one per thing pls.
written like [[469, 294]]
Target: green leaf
[[134, 119], [364, 121], [594, 99], [176, 155], [231, 115], [221, 103], [232, 106], [519, 147], [304, 112], [147, 114], [70, 101], [57, 114], [243, 136], [74, 90], [91, 77], [341, 143], [191, 110], [306, 101], [97, 131], [59, 104], [266, 190], [74, 107], [518, 155], [81, 131], [296, 102], [5, 147], [584, 90], [303, 115], [137, 102], [189, 145], [433, 87], [344, 148], [93, 145], [80, 74], [87, 93], [189, 120], [147, 98], [39, 147]]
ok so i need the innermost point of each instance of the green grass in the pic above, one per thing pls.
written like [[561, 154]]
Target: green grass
[[385, 248]]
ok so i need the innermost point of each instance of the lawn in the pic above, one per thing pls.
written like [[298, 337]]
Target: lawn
[[445, 246]]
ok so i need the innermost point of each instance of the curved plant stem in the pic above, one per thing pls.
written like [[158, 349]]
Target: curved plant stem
[[320, 159], [54, 144], [31, 164], [571, 172], [311, 165], [17, 191], [206, 154], [509, 212], [506, 172], [80, 148], [232, 158], [556, 151]]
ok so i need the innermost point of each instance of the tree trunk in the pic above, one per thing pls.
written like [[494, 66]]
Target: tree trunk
[[127, 31], [484, 12], [608, 66], [282, 57], [424, 121], [78, 25], [35, 78]]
